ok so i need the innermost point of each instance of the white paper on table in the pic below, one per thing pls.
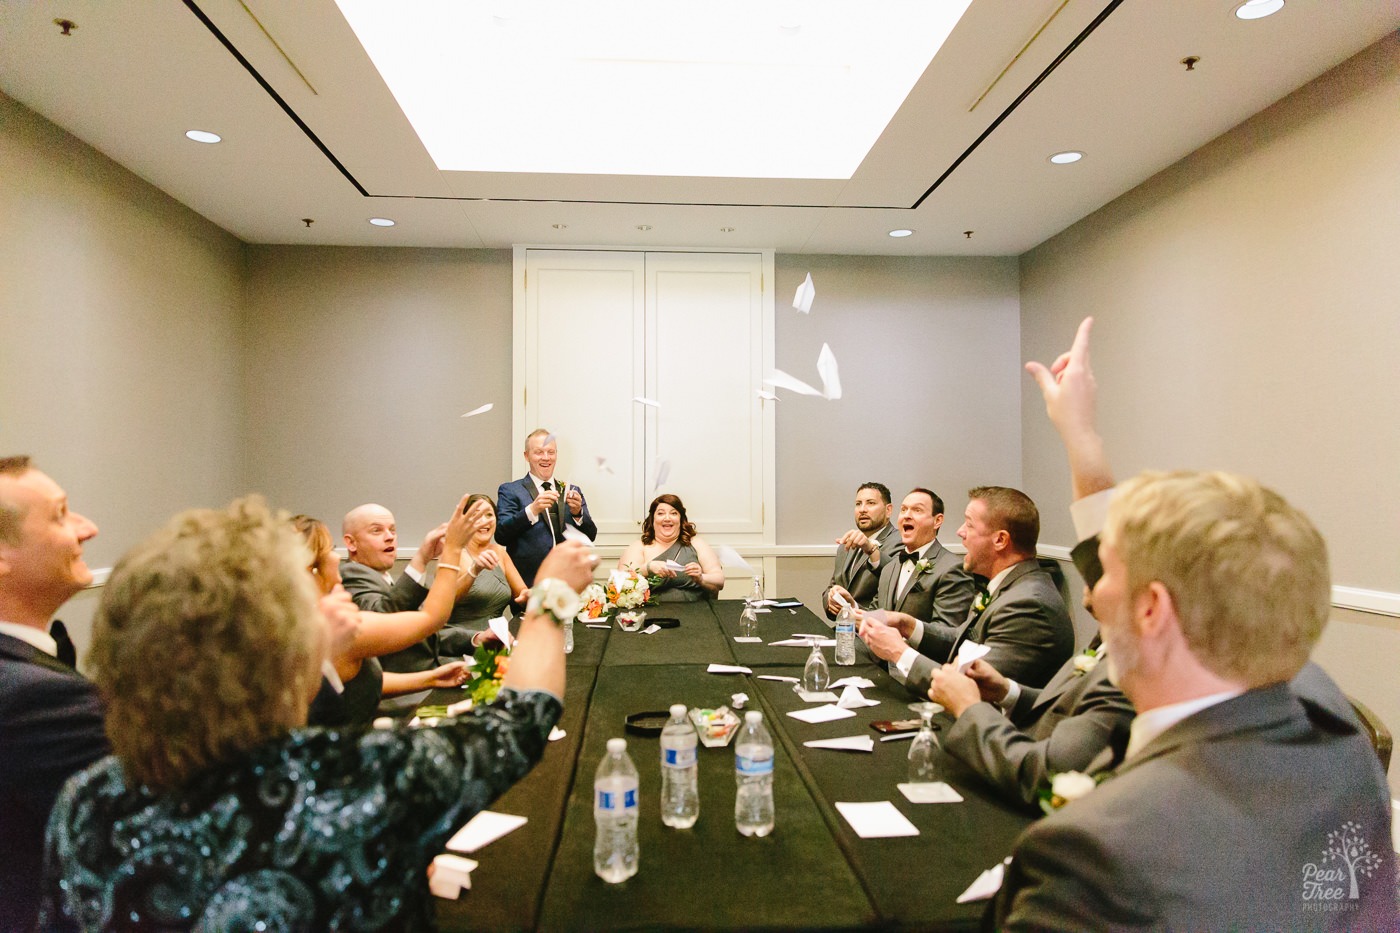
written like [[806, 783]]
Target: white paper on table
[[877, 820], [864, 683], [968, 652], [852, 698], [987, 884], [651, 629], [807, 635], [828, 713], [501, 627], [727, 669], [761, 609], [816, 696], [650, 403], [572, 533], [748, 639], [803, 643], [484, 828], [479, 411], [673, 565], [728, 557], [778, 677], [802, 299], [328, 671], [898, 736], [930, 792], [830, 375], [555, 733], [596, 625], [849, 743]]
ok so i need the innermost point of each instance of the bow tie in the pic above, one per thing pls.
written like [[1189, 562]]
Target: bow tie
[[908, 556]]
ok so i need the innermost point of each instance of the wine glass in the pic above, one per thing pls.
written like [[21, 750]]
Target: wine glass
[[748, 622], [921, 751], [816, 675]]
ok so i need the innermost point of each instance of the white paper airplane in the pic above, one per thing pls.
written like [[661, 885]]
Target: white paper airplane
[[826, 369], [652, 403], [802, 301], [479, 411]]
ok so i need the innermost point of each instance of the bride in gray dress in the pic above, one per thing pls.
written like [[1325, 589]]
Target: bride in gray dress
[[670, 549], [486, 587]]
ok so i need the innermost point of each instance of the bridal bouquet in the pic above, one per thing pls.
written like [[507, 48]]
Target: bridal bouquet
[[492, 660], [627, 589]]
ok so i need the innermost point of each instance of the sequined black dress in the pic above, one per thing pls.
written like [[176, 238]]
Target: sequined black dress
[[318, 830]]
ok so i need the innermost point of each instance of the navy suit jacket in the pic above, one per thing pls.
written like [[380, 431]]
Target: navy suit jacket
[[528, 543], [50, 728]]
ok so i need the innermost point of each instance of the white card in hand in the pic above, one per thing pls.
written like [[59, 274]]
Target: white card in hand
[[816, 696], [573, 534], [826, 713], [930, 792], [849, 743], [486, 827], [673, 565], [727, 669], [968, 652], [878, 820], [501, 627], [987, 884]]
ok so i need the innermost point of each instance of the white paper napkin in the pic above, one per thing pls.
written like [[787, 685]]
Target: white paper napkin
[[748, 639], [878, 820], [930, 792], [852, 698], [826, 713], [816, 696], [861, 682], [651, 629], [486, 827], [849, 743]]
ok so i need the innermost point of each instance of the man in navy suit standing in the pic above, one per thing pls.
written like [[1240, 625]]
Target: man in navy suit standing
[[532, 512], [50, 715]]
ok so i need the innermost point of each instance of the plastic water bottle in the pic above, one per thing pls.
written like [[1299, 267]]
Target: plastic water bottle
[[615, 815], [753, 777], [569, 637], [680, 773], [845, 638]]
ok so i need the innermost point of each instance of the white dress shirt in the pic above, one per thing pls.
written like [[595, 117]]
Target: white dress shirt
[[27, 633]]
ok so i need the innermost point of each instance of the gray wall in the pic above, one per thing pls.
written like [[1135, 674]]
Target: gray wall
[[1247, 305]]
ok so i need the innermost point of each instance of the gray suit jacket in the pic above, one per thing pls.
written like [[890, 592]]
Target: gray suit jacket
[[1216, 824], [1060, 728], [940, 595], [372, 594], [1026, 625], [853, 571]]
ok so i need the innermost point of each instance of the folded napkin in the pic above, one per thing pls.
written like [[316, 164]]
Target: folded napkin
[[852, 698], [861, 682], [826, 713]]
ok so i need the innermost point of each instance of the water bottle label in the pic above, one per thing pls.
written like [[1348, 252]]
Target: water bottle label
[[611, 800], [678, 757], [753, 765], [846, 626]]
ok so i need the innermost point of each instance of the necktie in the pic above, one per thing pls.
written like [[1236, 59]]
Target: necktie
[[67, 653]]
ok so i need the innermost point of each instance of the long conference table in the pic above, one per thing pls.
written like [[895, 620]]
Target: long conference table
[[812, 872]]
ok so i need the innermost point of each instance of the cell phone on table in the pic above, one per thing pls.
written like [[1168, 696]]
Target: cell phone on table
[[887, 726]]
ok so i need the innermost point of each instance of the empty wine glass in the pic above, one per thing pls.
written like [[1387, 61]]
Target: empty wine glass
[[921, 751], [748, 623], [816, 675]]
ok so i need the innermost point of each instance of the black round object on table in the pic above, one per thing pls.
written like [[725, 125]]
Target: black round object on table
[[649, 723]]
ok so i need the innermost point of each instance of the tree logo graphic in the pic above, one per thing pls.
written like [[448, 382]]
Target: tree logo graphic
[[1347, 857]]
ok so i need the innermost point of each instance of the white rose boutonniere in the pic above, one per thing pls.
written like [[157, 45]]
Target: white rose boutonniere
[[1086, 662], [922, 566], [1064, 788]]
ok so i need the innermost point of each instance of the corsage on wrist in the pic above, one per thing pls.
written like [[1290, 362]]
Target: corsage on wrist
[[555, 598]]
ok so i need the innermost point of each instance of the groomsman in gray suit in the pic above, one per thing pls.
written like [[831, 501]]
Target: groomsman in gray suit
[[1020, 615], [863, 551], [1240, 803], [371, 540], [925, 580]]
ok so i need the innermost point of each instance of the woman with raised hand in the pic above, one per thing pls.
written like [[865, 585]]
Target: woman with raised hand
[[489, 583], [219, 809], [682, 566], [379, 633]]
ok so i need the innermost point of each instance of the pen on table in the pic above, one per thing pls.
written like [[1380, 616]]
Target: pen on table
[[897, 737]]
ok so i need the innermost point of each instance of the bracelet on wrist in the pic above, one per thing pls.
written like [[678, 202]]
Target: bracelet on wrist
[[554, 598], [442, 566]]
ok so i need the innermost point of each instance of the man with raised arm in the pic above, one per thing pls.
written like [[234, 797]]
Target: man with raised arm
[[862, 552], [533, 511], [1242, 802], [50, 715]]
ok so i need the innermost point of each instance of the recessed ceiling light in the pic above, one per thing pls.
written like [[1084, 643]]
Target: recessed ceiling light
[[898, 233], [381, 221], [203, 136], [1257, 9], [560, 226], [1066, 158], [643, 227], [726, 229]]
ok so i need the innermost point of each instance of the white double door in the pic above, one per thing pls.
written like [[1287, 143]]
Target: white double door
[[692, 332]]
